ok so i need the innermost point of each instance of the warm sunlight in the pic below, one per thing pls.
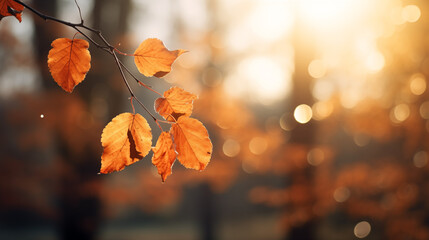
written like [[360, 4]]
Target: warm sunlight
[[259, 80]]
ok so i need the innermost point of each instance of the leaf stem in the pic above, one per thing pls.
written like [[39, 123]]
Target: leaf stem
[[138, 81]]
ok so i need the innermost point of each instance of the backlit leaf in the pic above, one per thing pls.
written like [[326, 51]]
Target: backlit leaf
[[176, 102], [164, 155], [192, 141], [153, 59], [10, 8], [69, 61], [126, 139]]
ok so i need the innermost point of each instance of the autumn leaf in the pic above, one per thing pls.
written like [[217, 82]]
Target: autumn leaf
[[164, 155], [153, 59], [69, 61], [176, 102], [10, 8], [126, 139], [192, 141]]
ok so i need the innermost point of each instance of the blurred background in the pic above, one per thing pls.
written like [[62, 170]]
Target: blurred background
[[317, 109]]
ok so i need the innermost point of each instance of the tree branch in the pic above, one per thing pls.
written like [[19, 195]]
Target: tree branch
[[106, 46]]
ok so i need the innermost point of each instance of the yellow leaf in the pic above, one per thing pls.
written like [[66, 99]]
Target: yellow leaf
[[153, 59], [192, 141], [126, 139], [176, 102], [69, 61], [164, 155]]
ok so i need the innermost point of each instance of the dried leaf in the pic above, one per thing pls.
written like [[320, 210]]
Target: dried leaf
[[126, 139], [176, 102], [10, 8], [69, 61], [164, 155], [153, 59], [192, 141]]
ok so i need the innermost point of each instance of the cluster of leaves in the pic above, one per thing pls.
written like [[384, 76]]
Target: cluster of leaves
[[128, 137]]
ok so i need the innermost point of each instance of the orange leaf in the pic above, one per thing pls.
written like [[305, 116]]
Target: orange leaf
[[10, 8], [176, 102], [126, 139], [69, 61], [153, 59], [164, 155], [192, 143]]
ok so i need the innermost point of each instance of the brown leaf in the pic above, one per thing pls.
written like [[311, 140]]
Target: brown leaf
[[176, 102], [192, 143], [10, 8], [126, 139], [164, 155], [69, 61], [153, 59]]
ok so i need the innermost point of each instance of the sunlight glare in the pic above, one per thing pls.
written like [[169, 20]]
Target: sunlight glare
[[375, 62], [270, 20], [260, 79], [327, 13]]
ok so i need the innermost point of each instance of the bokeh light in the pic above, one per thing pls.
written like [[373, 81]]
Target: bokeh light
[[362, 229], [411, 13], [424, 110], [315, 156], [417, 84], [341, 194], [420, 159], [258, 145], [317, 68], [322, 110], [400, 113], [231, 148], [303, 113]]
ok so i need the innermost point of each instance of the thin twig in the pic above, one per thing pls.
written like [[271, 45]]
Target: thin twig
[[106, 46], [138, 81], [80, 12]]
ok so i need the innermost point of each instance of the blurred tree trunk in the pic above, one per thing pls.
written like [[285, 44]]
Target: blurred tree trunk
[[79, 211], [303, 134]]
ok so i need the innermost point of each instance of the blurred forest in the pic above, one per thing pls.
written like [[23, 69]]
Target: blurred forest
[[318, 111]]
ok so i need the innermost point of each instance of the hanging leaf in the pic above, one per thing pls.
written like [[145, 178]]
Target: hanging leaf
[[153, 59], [126, 139], [164, 155], [69, 61], [192, 141], [10, 8], [176, 102]]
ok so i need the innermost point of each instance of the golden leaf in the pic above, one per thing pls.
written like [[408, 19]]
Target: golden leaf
[[153, 59], [192, 141], [126, 139], [176, 102], [69, 61], [164, 155]]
